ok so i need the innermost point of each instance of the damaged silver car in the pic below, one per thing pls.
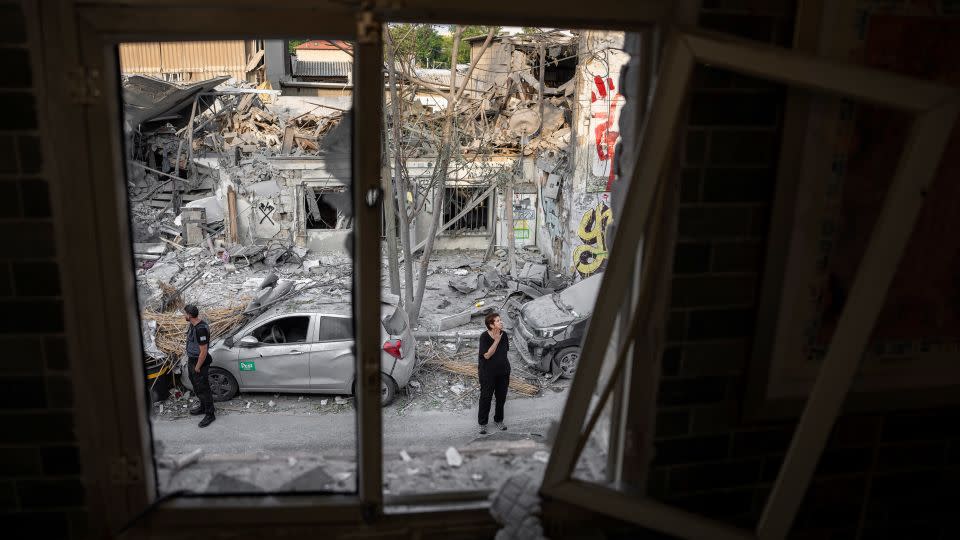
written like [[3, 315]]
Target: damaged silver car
[[549, 330], [307, 352]]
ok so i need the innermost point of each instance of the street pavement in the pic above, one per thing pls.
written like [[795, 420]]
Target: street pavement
[[334, 435]]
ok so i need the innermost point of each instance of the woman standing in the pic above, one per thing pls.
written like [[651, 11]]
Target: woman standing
[[494, 370]]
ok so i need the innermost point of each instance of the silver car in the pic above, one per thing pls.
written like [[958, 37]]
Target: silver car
[[306, 352]]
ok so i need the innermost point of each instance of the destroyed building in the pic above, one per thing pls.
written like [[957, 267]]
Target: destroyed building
[[256, 165]]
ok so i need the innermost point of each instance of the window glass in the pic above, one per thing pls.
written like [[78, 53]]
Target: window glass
[[336, 328], [239, 184], [285, 330]]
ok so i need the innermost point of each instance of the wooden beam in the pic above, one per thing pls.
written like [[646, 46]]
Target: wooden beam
[[815, 73], [653, 155], [918, 165]]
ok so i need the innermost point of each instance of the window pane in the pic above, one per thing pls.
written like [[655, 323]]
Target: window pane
[[239, 179], [499, 166], [336, 328]]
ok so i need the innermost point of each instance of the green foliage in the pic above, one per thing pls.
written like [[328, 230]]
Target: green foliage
[[419, 41], [429, 48], [294, 43], [463, 54]]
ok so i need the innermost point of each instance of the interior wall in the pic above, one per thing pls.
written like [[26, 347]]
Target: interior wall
[[883, 475], [41, 491]]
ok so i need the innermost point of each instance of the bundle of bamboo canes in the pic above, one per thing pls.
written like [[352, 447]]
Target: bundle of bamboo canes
[[172, 328]]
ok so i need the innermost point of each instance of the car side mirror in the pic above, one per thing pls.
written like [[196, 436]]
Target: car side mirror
[[228, 342], [249, 341]]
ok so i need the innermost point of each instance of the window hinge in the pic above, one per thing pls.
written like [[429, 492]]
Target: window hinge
[[84, 85], [125, 470]]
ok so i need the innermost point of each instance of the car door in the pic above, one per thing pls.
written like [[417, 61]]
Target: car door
[[331, 357], [280, 358]]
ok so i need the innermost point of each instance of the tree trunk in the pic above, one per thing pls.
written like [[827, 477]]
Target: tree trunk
[[508, 218], [398, 181], [389, 211], [446, 148]]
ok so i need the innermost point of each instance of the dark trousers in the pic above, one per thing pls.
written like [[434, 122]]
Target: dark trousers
[[492, 384], [201, 383]]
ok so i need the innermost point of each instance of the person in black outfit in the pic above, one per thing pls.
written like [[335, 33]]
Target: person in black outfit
[[199, 360], [494, 371]]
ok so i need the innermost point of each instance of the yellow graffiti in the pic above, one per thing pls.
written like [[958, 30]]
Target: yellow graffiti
[[590, 256]]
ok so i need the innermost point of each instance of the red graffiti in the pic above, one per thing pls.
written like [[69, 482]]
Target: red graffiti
[[606, 138]]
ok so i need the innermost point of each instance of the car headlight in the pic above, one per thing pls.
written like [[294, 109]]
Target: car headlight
[[548, 332]]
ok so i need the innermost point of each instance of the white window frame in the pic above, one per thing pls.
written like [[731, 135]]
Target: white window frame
[[935, 109], [78, 87]]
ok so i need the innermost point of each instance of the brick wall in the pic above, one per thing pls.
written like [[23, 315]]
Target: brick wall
[[882, 475], [41, 493]]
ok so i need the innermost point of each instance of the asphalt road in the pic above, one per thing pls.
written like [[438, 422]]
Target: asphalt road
[[334, 435]]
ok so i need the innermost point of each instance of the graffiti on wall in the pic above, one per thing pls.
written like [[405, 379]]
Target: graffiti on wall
[[605, 128], [266, 210], [591, 255]]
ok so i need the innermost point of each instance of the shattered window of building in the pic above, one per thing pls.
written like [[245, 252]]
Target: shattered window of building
[[468, 200], [239, 181], [320, 213]]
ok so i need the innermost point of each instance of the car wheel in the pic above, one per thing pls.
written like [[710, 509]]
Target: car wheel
[[223, 385], [565, 362], [388, 390]]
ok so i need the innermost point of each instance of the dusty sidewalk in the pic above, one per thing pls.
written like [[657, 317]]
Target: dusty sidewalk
[[270, 450]]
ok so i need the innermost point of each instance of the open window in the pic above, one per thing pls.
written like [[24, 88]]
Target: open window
[[283, 330]]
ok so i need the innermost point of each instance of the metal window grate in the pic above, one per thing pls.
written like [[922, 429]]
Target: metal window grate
[[476, 220]]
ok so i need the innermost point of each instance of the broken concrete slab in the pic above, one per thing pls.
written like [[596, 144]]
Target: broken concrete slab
[[456, 320], [227, 483], [313, 480], [535, 273]]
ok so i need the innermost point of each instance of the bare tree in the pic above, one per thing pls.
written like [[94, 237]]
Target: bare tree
[[447, 143]]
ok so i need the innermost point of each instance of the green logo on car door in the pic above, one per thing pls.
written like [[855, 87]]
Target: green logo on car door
[[248, 366]]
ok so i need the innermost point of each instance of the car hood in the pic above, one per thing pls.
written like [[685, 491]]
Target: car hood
[[545, 313]]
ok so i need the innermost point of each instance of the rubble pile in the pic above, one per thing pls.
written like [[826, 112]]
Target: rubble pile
[[504, 114]]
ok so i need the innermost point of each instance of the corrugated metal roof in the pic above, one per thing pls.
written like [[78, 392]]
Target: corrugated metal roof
[[315, 68]]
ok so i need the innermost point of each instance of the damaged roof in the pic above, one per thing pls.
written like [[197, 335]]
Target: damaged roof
[[319, 68], [146, 98]]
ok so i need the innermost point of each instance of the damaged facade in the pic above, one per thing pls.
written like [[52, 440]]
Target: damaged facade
[[261, 166]]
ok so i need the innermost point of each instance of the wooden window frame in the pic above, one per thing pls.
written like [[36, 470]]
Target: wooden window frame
[[81, 120], [934, 108]]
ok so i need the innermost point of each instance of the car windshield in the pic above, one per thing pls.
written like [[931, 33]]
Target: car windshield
[[580, 298]]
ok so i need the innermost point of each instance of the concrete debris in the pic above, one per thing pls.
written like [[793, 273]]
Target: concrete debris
[[454, 459], [271, 403], [535, 273], [458, 389], [541, 456], [189, 459], [516, 506], [405, 456]]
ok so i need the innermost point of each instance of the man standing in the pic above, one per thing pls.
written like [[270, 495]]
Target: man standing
[[199, 359], [494, 371]]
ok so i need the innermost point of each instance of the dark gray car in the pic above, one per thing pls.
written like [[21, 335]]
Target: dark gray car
[[307, 352], [549, 329]]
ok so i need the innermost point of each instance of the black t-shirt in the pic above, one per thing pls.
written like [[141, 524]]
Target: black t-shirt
[[497, 363]]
